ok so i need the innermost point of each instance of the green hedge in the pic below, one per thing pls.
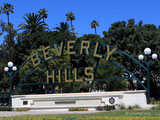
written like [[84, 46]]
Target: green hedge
[[105, 108], [21, 109], [78, 109], [5, 108]]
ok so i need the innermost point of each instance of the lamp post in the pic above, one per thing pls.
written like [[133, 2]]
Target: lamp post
[[10, 69], [147, 52]]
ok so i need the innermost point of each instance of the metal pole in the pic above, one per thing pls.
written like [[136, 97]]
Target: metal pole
[[10, 88], [148, 84]]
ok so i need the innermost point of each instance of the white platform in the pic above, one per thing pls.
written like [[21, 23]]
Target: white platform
[[59, 102]]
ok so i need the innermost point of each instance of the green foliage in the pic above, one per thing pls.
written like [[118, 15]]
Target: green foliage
[[126, 36], [43, 13], [78, 109], [109, 107], [100, 108], [64, 29], [153, 100], [135, 107], [94, 24], [130, 108], [33, 23], [158, 105], [60, 63], [70, 17], [5, 108], [21, 109], [105, 108], [133, 39], [122, 107], [7, 9]]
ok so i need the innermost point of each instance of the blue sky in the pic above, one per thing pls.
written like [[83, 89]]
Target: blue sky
[[105, 12]]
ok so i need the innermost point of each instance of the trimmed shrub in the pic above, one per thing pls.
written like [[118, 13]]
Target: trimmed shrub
[[21, 109], [130, 108], [106, 108], [100, 108], [109, 107], [78, 109], [154, 108], [5, 108], [135, 107], [122, 107], [158, 105]]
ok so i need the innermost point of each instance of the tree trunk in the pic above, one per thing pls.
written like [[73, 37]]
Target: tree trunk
[[72, 26], [95, 31]]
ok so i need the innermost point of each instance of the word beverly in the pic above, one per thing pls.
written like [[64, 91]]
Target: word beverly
[[84, 49]]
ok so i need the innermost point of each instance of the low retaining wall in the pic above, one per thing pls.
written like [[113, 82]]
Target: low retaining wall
[[90, 100]]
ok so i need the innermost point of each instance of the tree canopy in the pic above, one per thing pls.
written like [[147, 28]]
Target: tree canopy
[[33, 35]]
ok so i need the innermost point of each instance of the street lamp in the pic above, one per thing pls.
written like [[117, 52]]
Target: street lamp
[[147, 52], [10, 69]]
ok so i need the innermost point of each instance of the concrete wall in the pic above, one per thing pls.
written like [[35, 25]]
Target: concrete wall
[[90, 100]]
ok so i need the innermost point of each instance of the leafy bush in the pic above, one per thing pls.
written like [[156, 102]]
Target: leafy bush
[[21, 109], [153, 101], [158, 104], [136, 107], [130, 108], [106, 108], [157, 107], [78, 109], [109, 107], [100, 108], [122, 107], [5, 108], [154, 108]]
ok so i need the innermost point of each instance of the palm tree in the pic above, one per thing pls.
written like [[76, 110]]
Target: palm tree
[[70, 17], [33, 23], [94, 24], [7, 9], [63, 27], [43, 13]]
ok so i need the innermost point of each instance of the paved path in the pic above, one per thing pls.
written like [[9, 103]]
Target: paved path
[[14, 113]]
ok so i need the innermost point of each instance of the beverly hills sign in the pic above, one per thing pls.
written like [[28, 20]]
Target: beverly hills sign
[[84, 48], [61, 74]]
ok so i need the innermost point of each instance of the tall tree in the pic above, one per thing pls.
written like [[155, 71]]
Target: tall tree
[[43, 13], [94, 24], [63, 28], [7, 9], [70, 17], [132, 39], [33, 23]]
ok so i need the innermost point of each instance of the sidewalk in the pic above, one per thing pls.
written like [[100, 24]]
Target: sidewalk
[[14, 113]]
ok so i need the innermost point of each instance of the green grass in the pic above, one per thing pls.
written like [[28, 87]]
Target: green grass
[[127, 113]]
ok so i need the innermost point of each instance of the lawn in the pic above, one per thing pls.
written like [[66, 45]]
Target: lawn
[[109, 115]]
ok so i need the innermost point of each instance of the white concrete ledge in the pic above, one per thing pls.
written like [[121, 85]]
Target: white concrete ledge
[[90, 100]]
